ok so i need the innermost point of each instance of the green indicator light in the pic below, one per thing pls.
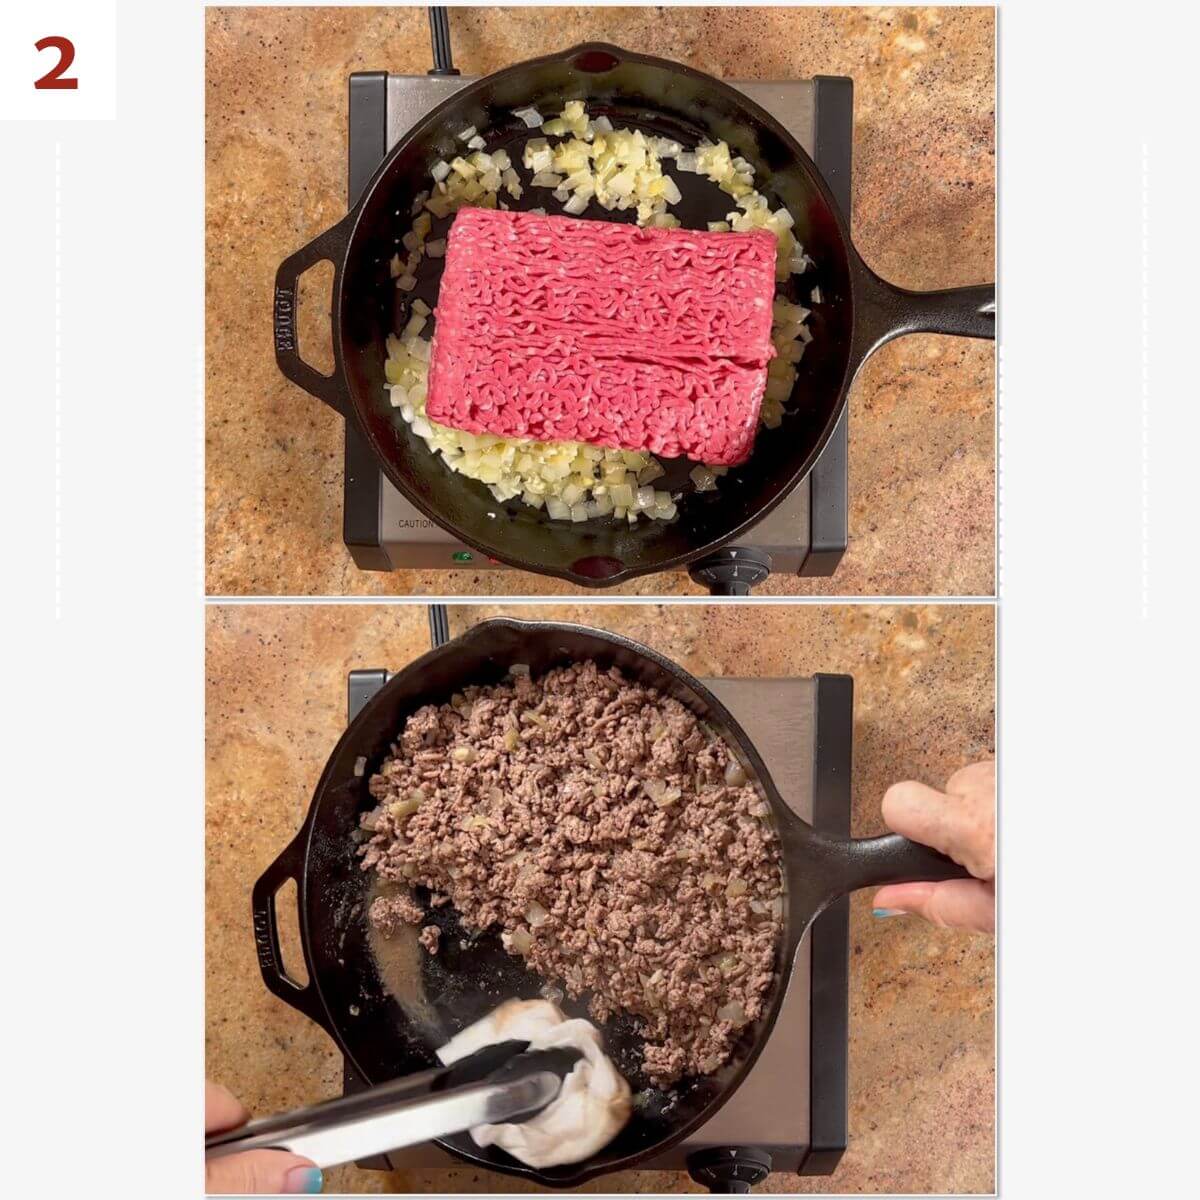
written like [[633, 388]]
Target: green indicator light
[[461, 556]]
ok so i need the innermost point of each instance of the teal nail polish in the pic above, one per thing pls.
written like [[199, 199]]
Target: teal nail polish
[[303, 1181], [888, 912]]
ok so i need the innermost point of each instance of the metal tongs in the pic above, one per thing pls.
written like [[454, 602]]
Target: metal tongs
[[506, 1082]]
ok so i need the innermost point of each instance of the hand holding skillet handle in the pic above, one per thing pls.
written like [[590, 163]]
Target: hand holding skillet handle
[[961, 822]]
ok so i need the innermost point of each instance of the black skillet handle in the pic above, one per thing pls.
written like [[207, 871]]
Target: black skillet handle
[[884, 311], [302, 997], [329, 246], [872, 862]]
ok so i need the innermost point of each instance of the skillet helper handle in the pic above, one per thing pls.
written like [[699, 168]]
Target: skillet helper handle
[[302, 997], [327, 247], [889, 311], [872, 862]]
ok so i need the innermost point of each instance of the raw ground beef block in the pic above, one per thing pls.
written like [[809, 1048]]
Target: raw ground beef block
[[636, 339]]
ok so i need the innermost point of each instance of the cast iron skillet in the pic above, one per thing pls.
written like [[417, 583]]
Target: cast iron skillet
[[345, 995], [858, 312]]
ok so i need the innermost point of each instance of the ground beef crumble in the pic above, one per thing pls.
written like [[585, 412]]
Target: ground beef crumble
[[607, 834], [389, 912]]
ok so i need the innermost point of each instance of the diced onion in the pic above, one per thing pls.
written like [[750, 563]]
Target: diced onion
[[622, 495], [512, 182], [733, 1012], [703, 478], [535, 914], [530, 116], [520, 940], [661, 793], [465, 135], [436, 249], [735, 776]]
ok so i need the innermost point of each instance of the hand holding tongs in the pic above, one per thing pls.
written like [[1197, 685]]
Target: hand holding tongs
[[501, 1083]]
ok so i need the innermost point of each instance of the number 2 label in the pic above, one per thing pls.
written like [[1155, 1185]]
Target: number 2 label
[[55, 77]]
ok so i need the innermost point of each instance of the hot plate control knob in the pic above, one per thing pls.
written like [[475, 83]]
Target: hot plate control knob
[[732, 570], [729, 1169]]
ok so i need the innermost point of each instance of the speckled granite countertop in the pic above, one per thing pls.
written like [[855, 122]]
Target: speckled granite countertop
[[921, 413], [922, 1000]]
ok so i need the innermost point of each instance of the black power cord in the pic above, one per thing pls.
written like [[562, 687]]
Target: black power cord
[[439, 625], [439, 31]]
